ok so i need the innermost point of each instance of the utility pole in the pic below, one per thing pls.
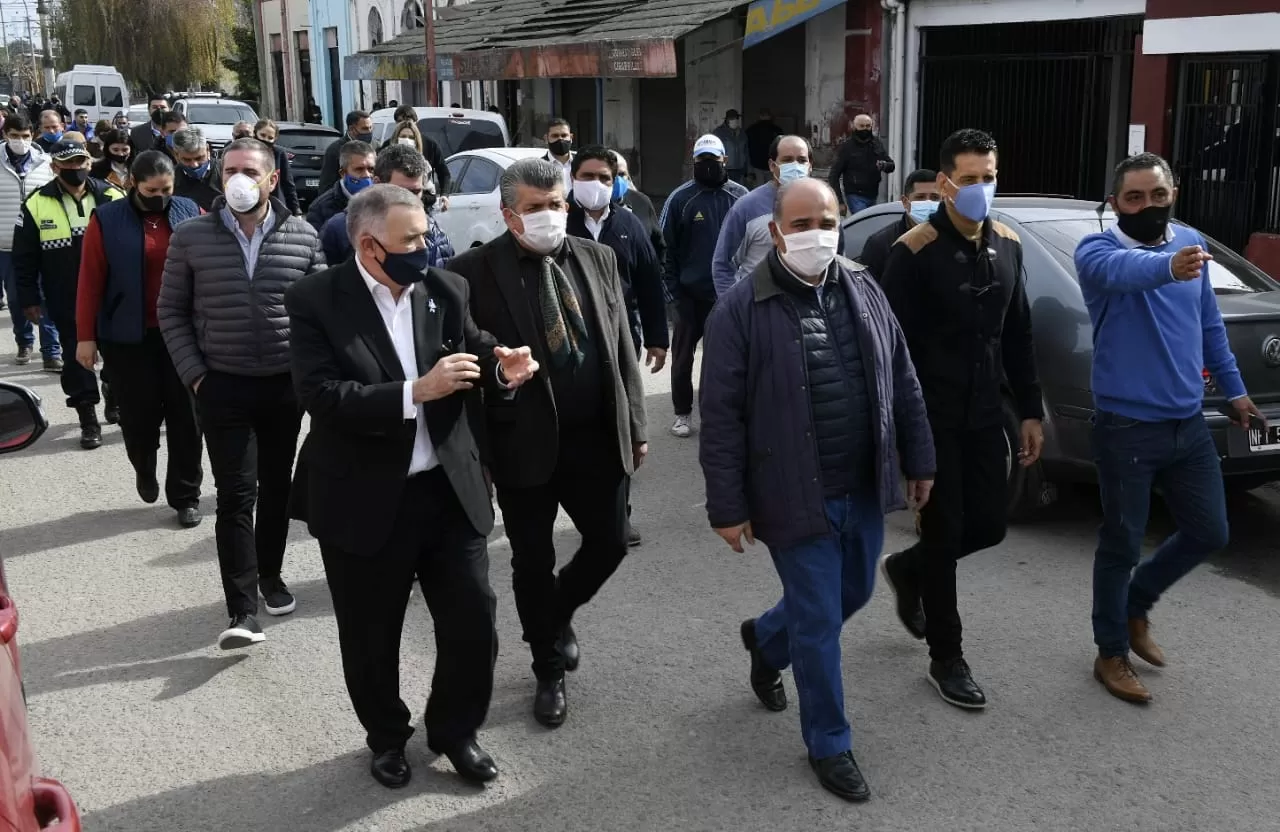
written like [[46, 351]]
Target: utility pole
[[8, 59], [42, 11], [429, 29], [35, 67]]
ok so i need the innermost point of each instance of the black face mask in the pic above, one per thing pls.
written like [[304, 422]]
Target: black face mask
[[862, 135], [428, 200], [405, 267], [74, 177], [710, 173], [119, 159], [1147, 225], [560, 147], [152, 204], [157, 117]]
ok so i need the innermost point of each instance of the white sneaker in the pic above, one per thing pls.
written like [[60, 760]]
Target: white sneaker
[[681, 427]]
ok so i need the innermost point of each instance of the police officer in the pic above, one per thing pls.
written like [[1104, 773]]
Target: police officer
[[691, 221], [955, 283], [46, 259]]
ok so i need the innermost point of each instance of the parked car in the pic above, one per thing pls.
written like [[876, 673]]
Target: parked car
[[1050, 229], [305, 144], [455, 130], [28, 802], [474, 216], [214, 115], [100, 90]]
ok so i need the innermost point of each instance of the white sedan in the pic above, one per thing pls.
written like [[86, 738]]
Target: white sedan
[[474, 216]]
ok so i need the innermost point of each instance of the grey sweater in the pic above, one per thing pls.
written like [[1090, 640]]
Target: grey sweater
[[213, 315]]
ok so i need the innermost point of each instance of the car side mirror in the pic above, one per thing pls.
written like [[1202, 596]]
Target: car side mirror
[[22, 419]]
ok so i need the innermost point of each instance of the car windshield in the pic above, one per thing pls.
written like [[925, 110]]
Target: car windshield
[[219, 114], [1229, 273], [317, 140], [455, 135]]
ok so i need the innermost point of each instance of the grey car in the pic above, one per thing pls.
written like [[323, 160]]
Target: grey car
[[1050, 229]]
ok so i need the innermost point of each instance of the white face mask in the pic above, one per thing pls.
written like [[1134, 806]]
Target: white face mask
[[405, 140], [242, 193], [19, 147], [810, 252], [543, 231], [591, 194]]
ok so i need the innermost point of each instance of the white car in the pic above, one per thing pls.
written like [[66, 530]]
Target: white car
[[474, 216], [214, 115]]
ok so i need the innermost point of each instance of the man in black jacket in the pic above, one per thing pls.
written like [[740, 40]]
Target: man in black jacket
[[383, 352], [356, 163], [359, 129], [919, 201], [638, 202], [143, 137], [862, 159], [956, 284], [198, 177]]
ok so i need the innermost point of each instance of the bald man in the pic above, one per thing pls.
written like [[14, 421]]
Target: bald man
[[856, 423]]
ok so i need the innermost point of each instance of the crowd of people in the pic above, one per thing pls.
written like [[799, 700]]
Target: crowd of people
[[437, 382]]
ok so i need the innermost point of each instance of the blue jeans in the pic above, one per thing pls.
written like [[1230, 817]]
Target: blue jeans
[[23, 331], [1178, 456], [859, 203], [825, 580]]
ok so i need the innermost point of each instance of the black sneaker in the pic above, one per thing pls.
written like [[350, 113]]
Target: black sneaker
[[279, 600], [243, 631], [954, 683], [53, 365], [24, 356], [907, 597], [840, 776]]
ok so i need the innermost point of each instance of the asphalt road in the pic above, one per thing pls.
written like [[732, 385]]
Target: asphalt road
[[152, 728]]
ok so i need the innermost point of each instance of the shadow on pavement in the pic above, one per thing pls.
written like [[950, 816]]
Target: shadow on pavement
[[66, 439], [84, 527], [137, 649]]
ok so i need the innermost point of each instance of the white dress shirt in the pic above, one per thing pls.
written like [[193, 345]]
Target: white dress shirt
[[566, 169], [596, 226], [397, 315]]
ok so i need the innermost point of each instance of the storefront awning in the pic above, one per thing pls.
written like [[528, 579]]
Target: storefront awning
[[766, 18], [491, 40]]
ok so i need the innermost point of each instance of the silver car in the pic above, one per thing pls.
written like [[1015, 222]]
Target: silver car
[[1050, 229]]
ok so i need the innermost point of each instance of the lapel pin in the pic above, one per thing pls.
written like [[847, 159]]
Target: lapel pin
[[431, 305]]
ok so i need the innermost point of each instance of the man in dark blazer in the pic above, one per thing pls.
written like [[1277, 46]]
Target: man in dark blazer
[[573, 436], [389, 479]]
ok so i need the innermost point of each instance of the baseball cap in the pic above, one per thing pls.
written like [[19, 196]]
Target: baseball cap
[[64, 151], [708, 144]]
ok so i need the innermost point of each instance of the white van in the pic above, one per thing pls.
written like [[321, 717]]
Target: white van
[[98, 90], [454, 129]]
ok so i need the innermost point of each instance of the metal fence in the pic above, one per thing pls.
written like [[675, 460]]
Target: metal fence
[[1227, 146]]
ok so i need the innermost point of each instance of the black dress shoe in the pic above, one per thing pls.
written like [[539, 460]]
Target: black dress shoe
[[910, 610], [955, 684], [765, 681], [472, 762], [390, 768], [568, 647], [840, 776], [189, 518], [633, 536], [148, 487], [549, 704]]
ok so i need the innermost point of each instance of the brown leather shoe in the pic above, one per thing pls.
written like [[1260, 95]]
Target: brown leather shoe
[[1141, 642], [1117, 676]]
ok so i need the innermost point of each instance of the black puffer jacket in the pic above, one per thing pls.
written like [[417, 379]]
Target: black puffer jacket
[[328, 205], [837, 384]]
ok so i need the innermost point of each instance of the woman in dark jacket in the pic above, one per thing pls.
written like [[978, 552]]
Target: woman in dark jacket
[[116, 314], [113, 167], [267, 132]]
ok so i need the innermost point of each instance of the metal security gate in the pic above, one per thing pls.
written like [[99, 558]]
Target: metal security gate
[[1054, 95], [1226, 151]]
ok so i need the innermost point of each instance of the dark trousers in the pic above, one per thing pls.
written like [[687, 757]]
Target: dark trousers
[[1132, 457], [434, 542], [691, 319], [965, 514], [251, 428], [590, 484], [80, 384], [149, 393]]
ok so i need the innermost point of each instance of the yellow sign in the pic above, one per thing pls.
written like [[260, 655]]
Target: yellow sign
[[768, 17]]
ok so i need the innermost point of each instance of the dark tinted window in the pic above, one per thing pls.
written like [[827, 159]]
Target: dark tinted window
[[455, 167], [857, 232], [112, 97], [481, 177], [219, 114], [455, 135], [85, 96], [317, 140], [1229, 272]]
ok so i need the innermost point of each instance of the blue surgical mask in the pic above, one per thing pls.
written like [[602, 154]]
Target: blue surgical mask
[[168, 140], [974, 201], [197, 172], [57, 137], [355, 186], [922, 209], [791, 171], [620, 187]]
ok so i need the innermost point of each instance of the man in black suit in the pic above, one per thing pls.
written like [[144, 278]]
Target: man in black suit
[[573, 437], [389, 480], [145, 136]]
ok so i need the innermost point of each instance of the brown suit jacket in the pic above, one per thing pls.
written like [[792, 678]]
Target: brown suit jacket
[[519, 434]]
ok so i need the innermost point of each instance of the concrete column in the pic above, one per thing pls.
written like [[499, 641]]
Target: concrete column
[[621, 115], [824, 81]]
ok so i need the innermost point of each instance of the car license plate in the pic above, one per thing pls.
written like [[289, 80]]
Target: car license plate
[[311, 183], [1264, 440]]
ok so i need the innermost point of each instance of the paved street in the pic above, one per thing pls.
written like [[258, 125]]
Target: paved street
[[152, 728]]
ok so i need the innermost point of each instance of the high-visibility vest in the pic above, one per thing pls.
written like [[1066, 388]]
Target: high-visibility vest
[[59, 220]]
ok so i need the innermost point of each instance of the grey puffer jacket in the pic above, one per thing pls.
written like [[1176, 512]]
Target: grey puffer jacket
[[212, 315]]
